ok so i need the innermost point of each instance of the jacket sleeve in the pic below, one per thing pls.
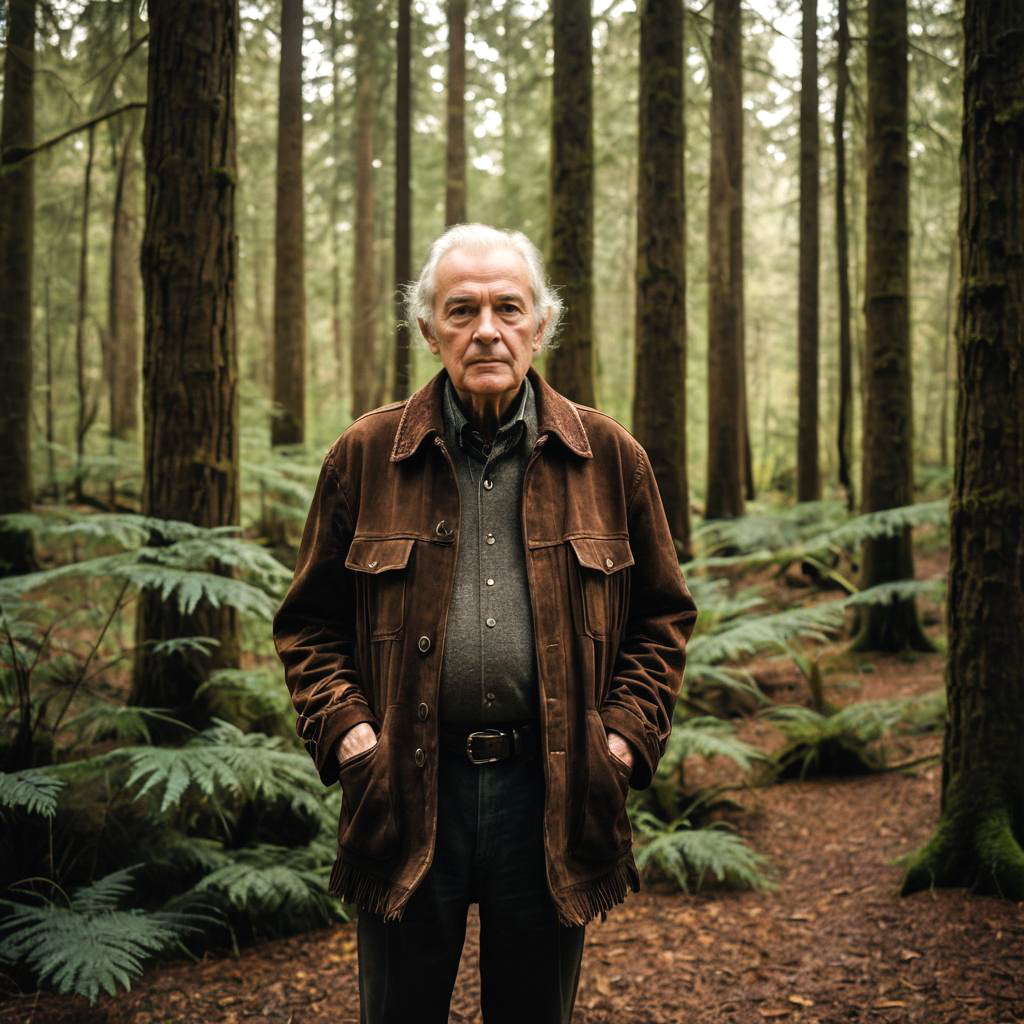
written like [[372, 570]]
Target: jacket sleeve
[[648, 669], [314, 629]]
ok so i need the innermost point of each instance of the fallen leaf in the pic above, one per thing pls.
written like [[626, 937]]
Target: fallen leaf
[[801, 1000]]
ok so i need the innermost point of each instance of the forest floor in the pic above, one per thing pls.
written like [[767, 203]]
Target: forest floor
[[834, 944]]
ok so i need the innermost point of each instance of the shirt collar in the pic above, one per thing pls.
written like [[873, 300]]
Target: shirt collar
[[517, 422]]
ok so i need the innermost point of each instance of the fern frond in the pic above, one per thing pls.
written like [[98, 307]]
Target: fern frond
[[35, 789], [88, 946], [123, 722], [899, 590], [752, 634], [707, 736], [255, 695], [687, 855]]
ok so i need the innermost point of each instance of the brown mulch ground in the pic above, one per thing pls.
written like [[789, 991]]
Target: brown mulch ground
[[834, 944]]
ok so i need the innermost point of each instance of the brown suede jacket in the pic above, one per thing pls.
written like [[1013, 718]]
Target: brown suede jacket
[[362, 628]]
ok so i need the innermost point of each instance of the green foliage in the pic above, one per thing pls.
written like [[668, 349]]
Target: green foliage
[[89, 945], [685, 855], [255, 697], [219, 762], [848, 741], [33, 788]]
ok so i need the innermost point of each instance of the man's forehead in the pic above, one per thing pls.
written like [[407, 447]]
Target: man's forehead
[[472, 269]]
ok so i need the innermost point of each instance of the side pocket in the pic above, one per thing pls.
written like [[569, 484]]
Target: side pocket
[[602, 831], [367, 828]]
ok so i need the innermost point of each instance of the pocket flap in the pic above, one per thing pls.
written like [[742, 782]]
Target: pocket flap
[[378, 554], [608, 554]]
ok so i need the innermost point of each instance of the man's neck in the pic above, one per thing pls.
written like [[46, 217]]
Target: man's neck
[[487, 413]]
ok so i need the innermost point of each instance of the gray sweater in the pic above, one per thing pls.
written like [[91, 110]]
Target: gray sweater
[[489, 673]]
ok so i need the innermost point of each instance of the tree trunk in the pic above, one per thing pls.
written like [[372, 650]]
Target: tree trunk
[[808, 476], [189, 260], [287, 426], [844, 438], [17, 133], [888, 418], [338, 154], [570, 366], [403, 198], [86, 411], [979, 841], [659, 396], [455, 151], [364, 277], [122, 298], [726, 458], [946, 343]]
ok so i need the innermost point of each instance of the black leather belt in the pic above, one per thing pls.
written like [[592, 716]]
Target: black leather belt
[[485, 746]]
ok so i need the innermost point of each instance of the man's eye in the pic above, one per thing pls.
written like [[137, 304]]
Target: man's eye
[[508, 307], [459, 311]]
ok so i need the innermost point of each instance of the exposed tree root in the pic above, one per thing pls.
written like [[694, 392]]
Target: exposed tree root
[[974, 846]]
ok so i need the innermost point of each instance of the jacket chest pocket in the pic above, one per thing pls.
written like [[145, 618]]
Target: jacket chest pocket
[[600, 584], [381, 565]]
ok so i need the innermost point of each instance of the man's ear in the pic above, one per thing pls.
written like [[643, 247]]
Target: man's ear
[[427, 336], [538, 336]]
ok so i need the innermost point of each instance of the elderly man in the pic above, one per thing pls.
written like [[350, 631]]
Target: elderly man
[[483, 640]]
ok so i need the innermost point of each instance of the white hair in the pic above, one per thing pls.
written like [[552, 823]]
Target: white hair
[[419, 295]]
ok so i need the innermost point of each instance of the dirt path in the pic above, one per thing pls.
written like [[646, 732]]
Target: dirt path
[[835, 944]]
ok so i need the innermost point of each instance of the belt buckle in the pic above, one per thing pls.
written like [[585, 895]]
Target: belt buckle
[[469, 746]]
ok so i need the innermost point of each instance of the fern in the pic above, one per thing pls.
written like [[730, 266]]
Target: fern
[[687, 855], [707, 736], [254, 696], [898, 590], [222, 759], [35, 789], [124, 723], [89, 945]]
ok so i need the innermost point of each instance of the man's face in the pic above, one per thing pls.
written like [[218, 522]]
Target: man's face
[[485, 325]]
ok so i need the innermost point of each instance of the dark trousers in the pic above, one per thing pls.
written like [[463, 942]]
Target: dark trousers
[[489, 851]]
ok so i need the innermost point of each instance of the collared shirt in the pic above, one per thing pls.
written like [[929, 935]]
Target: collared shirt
[[489, 675]]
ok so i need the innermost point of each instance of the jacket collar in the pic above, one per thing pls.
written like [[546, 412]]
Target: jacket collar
[[423, 415]]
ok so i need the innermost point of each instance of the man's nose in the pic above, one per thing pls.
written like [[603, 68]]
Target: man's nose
[[486, 328]]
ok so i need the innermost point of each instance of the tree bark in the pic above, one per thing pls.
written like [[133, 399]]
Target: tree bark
[[122, 297], [724, 496], [190, 364], [364, 277], [86, 410], [338, 155], [455, 150], [844, 438], [17, 231], [659, 396], [808, 475], [403, 198], [888, 417], [287, 426], [979, 841], [570, 366]]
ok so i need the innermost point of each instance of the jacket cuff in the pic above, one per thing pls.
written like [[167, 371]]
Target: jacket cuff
[[632, 730], [323, 749]]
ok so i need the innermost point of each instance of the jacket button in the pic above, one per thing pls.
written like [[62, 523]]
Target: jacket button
[[608, 562], [423, 644], [419, 757], [442, 529], [423, 711], [371, 565], [488, 484]]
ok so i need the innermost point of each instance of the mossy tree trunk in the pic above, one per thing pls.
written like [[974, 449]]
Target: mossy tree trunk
[[190, 362], [287, 426], [455, 148], [17, 231], [403, 197], [87, 400], [844, 427], [726, 460], [979, 841], [363, 335], [808, 475], [570, 366], [888, 417], [659, 397]]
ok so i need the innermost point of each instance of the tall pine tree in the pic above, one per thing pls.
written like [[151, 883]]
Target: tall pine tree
[[980, 838]]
